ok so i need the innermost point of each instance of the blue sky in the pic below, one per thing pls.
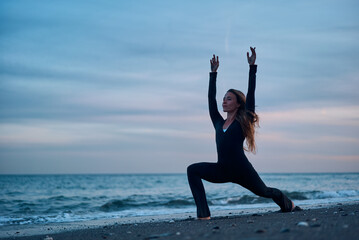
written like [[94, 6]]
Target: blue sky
[[121, 86]]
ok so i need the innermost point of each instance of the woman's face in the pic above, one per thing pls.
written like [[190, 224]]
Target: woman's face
[[230, 102]]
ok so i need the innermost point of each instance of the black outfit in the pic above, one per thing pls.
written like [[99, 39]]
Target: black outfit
[[233, 165]]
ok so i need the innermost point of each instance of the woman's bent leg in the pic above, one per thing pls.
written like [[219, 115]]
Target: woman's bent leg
[[195, 173]]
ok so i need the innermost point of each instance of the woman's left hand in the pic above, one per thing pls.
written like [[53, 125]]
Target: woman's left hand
[[214, 63], [252, 59]]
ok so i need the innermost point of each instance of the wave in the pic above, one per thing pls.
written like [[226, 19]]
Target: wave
[[127, 207], [295, 195], [62, 203], [322, 194], [59, 198], [117, 205], [335, 194], [179, 203], [89, 197], [131, 203]]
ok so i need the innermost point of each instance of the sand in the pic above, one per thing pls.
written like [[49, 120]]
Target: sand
[[339, 221]]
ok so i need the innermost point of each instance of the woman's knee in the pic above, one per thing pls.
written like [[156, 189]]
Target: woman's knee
[[193, 168], [196, 168]]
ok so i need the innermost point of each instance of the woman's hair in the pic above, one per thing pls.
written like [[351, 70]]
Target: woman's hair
[[247, 119]]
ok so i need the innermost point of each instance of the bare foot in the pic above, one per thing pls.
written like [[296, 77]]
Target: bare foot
[[204, 218], [293, 206]]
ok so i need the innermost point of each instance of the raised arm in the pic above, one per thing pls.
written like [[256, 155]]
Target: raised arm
[[250, 100], [212, 103]]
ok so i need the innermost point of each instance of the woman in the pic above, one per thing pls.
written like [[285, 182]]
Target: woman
[[233, 165]]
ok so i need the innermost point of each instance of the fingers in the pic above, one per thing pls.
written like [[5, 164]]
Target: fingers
[[253, 50], [214, 63], [252, 59], [214, 60]]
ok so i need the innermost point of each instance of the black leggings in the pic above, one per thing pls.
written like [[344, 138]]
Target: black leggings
[[247, 177]]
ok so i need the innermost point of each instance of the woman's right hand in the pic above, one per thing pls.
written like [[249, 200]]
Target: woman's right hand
[[252, 58], [214, 63]]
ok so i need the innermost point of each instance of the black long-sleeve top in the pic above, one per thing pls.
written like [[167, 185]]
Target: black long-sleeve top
[[230, 143]]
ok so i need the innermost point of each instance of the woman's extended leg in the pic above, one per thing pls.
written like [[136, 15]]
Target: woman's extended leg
[[209, 172], [254, 183]]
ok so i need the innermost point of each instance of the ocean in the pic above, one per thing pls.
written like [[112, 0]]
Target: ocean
[[38, 199]]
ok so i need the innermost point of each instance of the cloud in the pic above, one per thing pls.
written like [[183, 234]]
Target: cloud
[[125, 82], [326, 115]]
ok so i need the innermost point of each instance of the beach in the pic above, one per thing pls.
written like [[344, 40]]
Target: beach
[[332, 221]]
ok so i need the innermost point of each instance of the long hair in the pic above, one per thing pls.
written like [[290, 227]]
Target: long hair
[[248, 120]]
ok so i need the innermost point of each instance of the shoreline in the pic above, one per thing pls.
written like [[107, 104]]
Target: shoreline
[[184, 226]]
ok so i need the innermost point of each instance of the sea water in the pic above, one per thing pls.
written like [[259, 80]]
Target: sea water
[[34, 199]]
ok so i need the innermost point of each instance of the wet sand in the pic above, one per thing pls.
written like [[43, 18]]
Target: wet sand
[[339, 221]]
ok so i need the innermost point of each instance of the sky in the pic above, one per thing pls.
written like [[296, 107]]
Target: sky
[[121, 86]]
